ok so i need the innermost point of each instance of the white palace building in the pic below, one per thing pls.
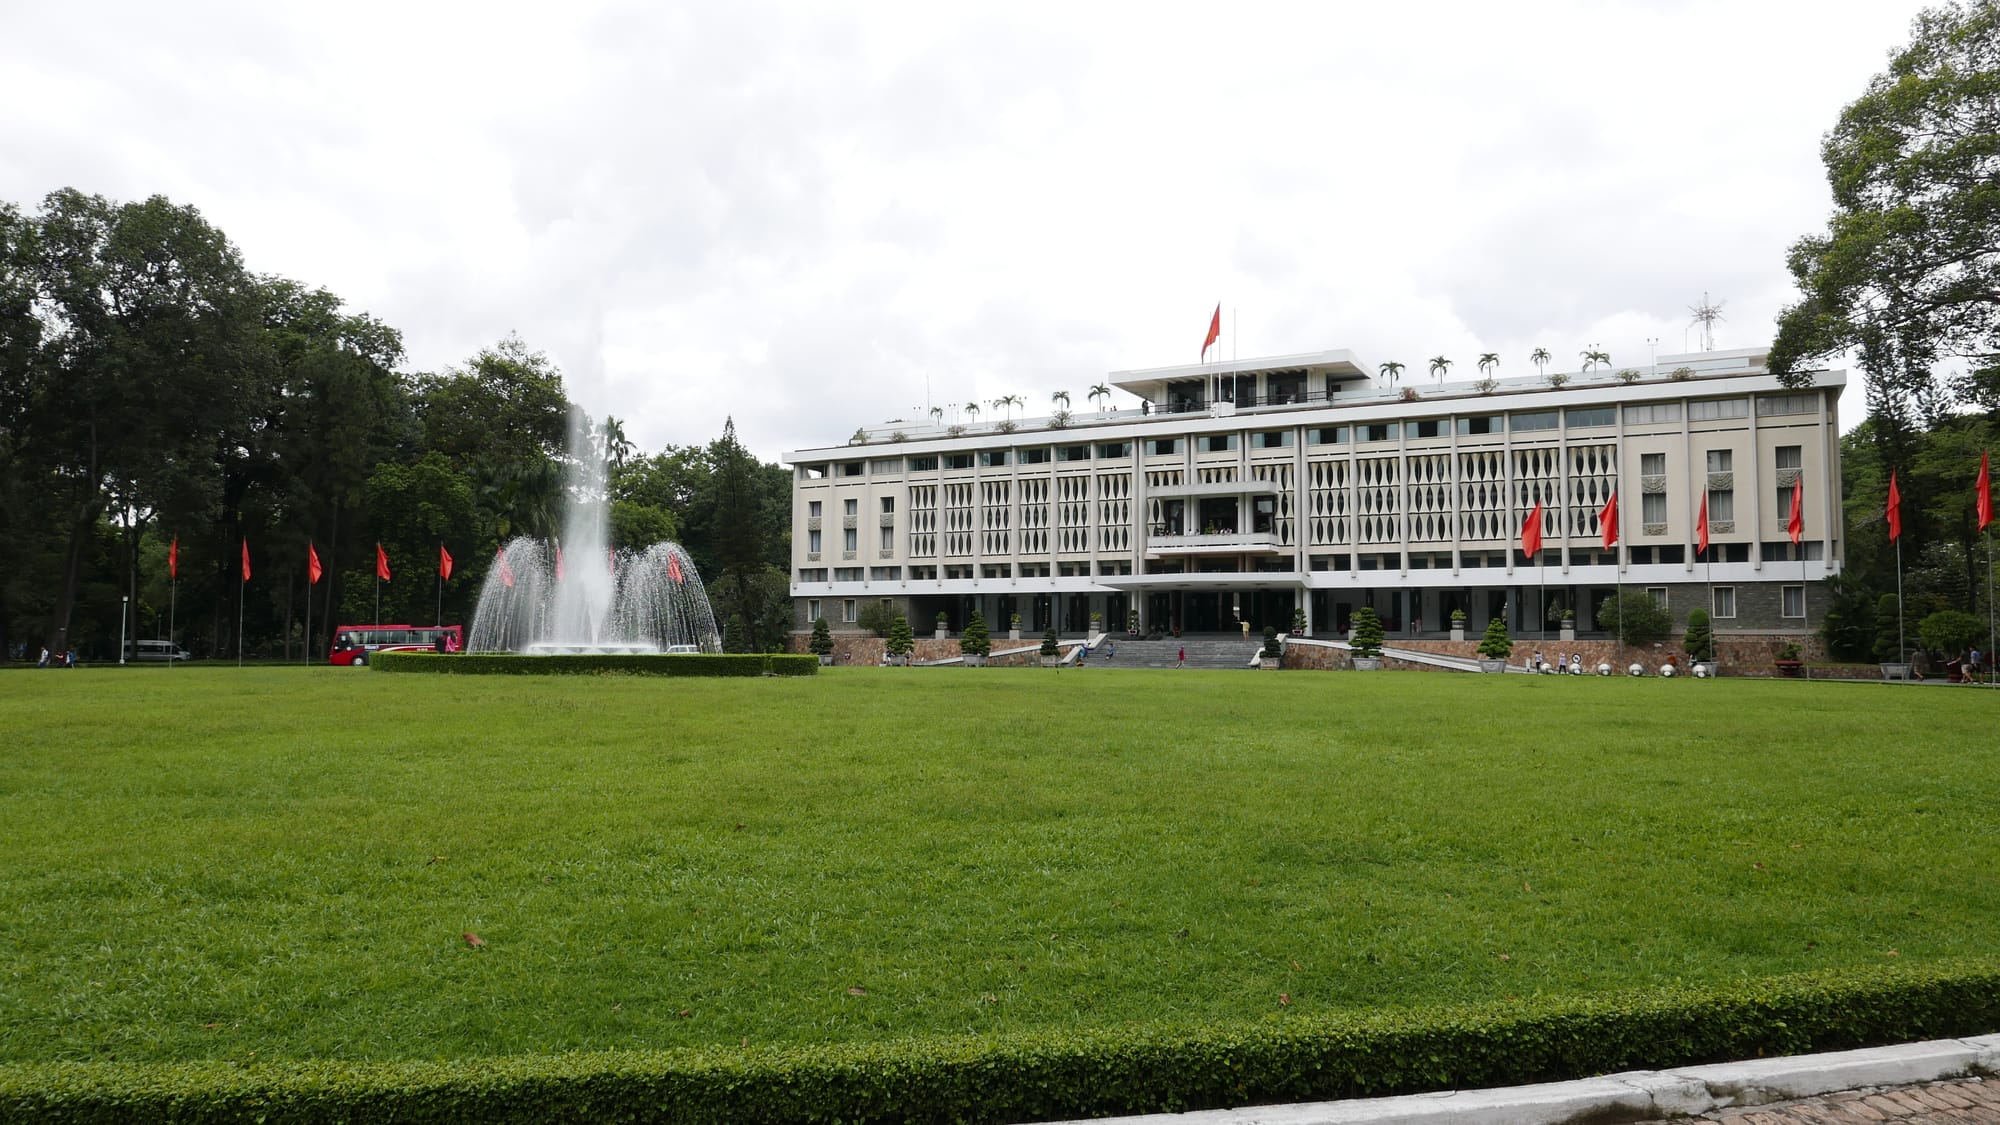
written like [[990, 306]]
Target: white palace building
[[1241, 492]]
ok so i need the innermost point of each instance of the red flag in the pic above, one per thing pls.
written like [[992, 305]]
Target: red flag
[[381, 563], [1895, 511], [246, 560], [559, 565], [313, 570], [673, 568], [1214, 332], [506, 572], [1531, 532], [1701, 526], [1983, 496], [174, 555], [610, 560], [444, 563], [1796, 525], [1607, 521]]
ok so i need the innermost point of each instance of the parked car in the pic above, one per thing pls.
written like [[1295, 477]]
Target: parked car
[[159, 650]]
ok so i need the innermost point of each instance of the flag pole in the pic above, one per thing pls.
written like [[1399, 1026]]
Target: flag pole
[[1805, 604], [240, 589], [1901, 650], [174, 597], [440, 589], [309, 613], [1989, 606]]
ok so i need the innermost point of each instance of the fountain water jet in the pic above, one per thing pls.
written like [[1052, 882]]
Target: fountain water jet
[[577, 595]]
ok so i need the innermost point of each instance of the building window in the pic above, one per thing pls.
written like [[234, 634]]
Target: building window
[[1272, 439], [1578, 417], [1215, 443], [847, 611], [850, 507], [923, 464], [812, 609], [888, 539], [1112, 450], [1164, 447], [1789, 457], [1533, 420], [1651, 413], [886, 467], [888, 505], [1482, 424], [812, 508], [1329, 435], [1773, 405], [1037, 456], [1721, 501], [958, 460], [992, 458], [1658, 594], [847, 541], [812, 542], [1725, 602], [847, 574], [1653, 464], [812, 574], [996, 570], [1794, 598], [1425, 427], [1710, 409], [850, 468], [886, 573], [1377, 431], [1073, 453]]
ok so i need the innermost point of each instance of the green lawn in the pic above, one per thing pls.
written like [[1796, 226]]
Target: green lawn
[[280, 863]]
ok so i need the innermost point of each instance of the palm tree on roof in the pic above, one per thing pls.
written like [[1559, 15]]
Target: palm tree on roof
[[1487, 362], [1391, 371], [1060, 398], [972, 408], [1100, 392], [1440, 366], [1540, 358], [937, 414], [1593, 358]]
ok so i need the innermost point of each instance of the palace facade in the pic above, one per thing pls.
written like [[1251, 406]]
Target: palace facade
[[1247, 491]]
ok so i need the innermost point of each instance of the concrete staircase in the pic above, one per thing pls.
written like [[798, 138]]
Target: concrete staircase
[[1208, 650]]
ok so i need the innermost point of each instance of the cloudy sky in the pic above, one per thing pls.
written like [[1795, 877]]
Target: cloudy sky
[[818, 216]]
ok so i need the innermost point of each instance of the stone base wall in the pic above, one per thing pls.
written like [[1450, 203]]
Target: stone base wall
[[1738, 655]]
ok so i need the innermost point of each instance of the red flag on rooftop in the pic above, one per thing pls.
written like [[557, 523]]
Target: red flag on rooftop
[[1795, 525], [1895, 509], [1607, 521], [1531, 532], [1214, 332], [246, 560], [506, 572], [1701, 526], [444, 563], [1983, 496], [313, 570], [174, 558], [673, 568], [381, 563]]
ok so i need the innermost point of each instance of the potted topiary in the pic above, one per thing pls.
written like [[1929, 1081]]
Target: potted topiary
[[1051, 655], [901, 641], [1458, 625], [1699, 641], [974, 643], [1273, 651], [1096, 623], [822, 642], [1298, 623], [1789, 664], [1567, 631], [943, 625], [1366, 642], [1014, 627], [1495, 648], [1132, 622]]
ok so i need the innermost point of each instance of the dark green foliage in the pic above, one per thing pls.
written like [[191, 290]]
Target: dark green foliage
[[1634, 617], [976, 639], [1950, 631], [636, 664], [1272, 650], [736, 635], [877, 617], [822, 639], [1367, 640], [1888, 630], [1699, 641], [1049, 647], [1135, 1069], [1849, 625], [901, 641], [1496, 645]]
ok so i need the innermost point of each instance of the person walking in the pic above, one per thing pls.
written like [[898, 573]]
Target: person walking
[[44, 662], [1180, 660]]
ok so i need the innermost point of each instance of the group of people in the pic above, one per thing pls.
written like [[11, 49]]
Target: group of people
[[1572, 665], [65, 660], [1965, 669]]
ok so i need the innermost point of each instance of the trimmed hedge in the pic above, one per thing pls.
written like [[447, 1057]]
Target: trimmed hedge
[[633, 664], [1053, 1074]]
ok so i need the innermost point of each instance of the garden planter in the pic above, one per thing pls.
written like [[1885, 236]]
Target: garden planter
[[1458, 632], [1051, 661], [1013, 634], [1368, 664], [1493, 666], [975, 659], [1889, 671], [1268, 663], [826, 660], [943, 633], [1567, 632]]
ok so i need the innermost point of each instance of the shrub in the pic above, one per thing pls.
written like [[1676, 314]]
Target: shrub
[[1049, 643], [1699, 640], [1889, 630], [1367, 640], [1496, 644], [822, 640], [1634, 617], [1628, 376], [901, 643], [1272, 650], [1950, 631], [975, 639], [876, 617], [1298, 621]]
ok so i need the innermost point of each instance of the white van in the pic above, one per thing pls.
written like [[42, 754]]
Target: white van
[[159, 650]]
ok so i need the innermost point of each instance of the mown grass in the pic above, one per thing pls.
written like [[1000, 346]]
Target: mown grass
[[280, 863]]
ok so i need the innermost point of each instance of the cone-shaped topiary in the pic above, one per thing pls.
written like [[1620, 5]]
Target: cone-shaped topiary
[[975, 639], [1496, 644], [1049, 643], [822, 640], [1699, 641], [1272, 650], [900, 640], [1367, 640]]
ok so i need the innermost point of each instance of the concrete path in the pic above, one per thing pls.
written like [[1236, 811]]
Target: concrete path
[[1938, 1081]]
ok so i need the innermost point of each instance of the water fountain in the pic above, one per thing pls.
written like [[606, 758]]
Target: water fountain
[[578, 595]]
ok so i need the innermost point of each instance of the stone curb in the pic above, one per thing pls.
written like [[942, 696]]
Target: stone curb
[[1633, 1096]]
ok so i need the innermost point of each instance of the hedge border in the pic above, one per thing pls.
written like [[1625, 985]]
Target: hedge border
[[599, 664], [1053, 1074]]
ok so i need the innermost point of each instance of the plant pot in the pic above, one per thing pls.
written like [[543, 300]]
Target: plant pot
[[975, 659], [826, 660], [1368, 664], [1567, 632], [1268, 663], [1013, 634], [1486, 665], [1051, 661], [943, 633], [1704, 668], [1889, 671], [1458, 633]]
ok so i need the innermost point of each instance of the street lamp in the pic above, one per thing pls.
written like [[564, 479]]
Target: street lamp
[[124, 603]]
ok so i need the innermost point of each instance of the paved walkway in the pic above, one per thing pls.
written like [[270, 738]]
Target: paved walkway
[[1970, 1100]]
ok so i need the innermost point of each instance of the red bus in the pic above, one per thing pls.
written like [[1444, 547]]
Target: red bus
[[353, 643]]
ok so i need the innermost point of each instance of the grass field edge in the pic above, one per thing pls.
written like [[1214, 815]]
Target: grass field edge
[[1054, 1074]]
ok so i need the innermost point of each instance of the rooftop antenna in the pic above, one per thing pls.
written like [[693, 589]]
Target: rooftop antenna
[[1707, 314]]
